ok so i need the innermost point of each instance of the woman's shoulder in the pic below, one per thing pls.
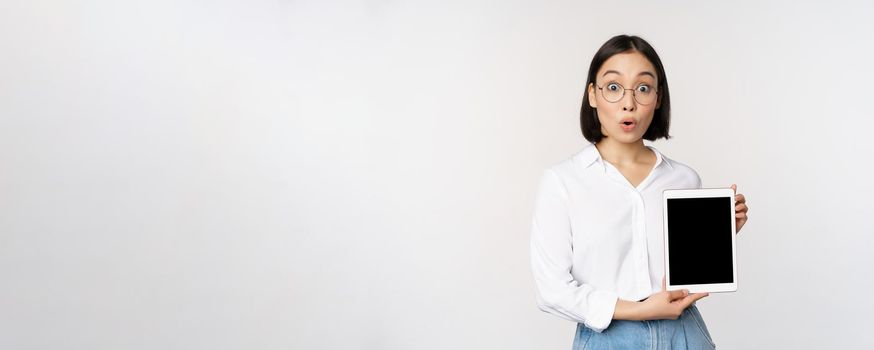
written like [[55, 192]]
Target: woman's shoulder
[[571, 164], [681, 169]]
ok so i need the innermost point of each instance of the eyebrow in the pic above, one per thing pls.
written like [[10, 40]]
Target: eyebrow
[[641, 73]]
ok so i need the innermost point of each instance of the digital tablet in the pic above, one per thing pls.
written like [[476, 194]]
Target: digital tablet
[[700, 251]]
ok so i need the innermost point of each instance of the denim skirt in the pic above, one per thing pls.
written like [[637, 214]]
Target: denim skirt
[[686, 332]]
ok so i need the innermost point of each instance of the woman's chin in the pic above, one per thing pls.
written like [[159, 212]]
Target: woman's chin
[[626, 137]]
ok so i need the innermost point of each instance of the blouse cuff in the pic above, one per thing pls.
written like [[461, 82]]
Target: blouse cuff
[[603, 306]]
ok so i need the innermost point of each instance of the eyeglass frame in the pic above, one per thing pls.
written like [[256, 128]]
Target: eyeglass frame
[[633, 94]]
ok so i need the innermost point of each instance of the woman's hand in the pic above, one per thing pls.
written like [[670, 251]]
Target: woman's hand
[[740, 209], [667, 304], [659, 306]]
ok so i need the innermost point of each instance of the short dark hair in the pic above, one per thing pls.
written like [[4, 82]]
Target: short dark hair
[[661, 119]]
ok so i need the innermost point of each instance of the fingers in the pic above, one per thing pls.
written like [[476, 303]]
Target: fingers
[[737, 196], [691, 298], [677, 294], [741, 213], [741, 210]]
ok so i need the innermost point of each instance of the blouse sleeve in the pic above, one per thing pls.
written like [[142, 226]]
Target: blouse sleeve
[[558, 293]]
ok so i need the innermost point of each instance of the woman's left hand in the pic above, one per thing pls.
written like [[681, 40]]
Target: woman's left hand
[[740, 209]]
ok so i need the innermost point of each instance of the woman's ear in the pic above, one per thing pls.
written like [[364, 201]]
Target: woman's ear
[[591, 93], [658, 101]]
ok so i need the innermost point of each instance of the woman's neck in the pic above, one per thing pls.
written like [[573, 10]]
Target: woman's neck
[[622, 153]]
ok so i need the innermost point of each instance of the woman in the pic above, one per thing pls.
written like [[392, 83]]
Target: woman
[[597, 250]]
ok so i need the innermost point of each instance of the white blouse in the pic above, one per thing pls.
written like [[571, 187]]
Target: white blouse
[[595, 238]]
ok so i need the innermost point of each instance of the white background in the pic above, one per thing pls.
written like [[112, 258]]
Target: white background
[[361, 175]]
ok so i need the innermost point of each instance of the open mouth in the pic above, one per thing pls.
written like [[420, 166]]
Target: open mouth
[[628, 124]]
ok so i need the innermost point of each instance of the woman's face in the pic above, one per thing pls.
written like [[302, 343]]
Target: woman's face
[[625, 120]]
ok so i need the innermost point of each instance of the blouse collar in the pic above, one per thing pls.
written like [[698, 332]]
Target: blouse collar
[[590, 155]]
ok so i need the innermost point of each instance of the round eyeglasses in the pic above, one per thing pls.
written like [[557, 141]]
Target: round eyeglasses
[[643, 93]]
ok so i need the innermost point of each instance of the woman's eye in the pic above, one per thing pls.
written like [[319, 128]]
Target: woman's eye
[[613, 87], [643, 88]]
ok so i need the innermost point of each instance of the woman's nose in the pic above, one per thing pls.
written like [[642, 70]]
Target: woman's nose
[[628, 102]]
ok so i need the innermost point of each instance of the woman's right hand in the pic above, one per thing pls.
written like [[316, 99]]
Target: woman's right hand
[[667, 304]]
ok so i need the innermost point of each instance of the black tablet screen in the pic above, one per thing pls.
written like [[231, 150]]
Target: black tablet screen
[[699, 240]]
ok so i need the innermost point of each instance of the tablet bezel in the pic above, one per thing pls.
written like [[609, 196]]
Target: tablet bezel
[[701, 193]]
